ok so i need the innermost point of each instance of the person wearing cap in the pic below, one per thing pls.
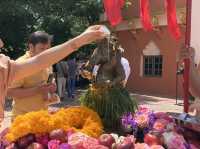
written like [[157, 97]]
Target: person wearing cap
[[11, 71], [31, 93]]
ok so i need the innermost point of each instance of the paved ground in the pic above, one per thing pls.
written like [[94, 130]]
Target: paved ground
[[155, 103], [159, 104]]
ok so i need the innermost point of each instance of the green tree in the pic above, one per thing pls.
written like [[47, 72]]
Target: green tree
[[62, 18], [15, 25]]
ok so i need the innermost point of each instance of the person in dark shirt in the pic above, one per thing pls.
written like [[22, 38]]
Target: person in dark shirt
[[71, 77], [62, 70]]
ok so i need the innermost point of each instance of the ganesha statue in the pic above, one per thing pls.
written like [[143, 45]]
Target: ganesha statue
[[106, 94], [106, 61]]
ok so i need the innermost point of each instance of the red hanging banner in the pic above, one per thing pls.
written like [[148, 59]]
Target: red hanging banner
[[145, 15], [122, 3], [113, 10], [171, 19]]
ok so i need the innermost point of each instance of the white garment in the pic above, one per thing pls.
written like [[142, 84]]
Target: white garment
[[61, 83], [125, 65], [95, 70]]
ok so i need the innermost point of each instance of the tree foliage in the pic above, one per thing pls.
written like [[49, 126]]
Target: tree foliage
[[62, 18], [15, 25]]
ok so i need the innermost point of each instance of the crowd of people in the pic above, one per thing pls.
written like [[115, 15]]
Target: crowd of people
[[67, 73]]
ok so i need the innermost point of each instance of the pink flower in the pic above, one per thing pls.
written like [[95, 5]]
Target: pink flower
[[143, 109], [42, 139], [157, 147], [141, 146], [76, 140], [70, 132], [162, 115], [193, 146], [142, 120], [130, 139], [53, 144], [82, 141], [98, 147], [160, 125], [174, 140], [90, 143]]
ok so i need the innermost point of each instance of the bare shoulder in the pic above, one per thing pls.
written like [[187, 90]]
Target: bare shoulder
[[3, 56], [4, 61]]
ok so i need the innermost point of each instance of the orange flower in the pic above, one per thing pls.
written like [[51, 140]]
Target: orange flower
[[78, 118]]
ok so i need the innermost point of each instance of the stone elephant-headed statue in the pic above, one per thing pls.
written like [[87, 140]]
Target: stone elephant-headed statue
[[107, 56]]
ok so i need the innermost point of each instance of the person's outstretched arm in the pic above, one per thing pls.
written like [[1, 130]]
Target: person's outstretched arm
[[21, 93], [55, 54]]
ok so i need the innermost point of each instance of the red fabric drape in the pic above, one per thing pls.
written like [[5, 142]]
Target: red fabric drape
[[122, 3], [113, 10], [145, 15], [171, 19]]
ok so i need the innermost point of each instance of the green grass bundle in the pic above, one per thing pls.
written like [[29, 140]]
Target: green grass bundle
[[109, 102]]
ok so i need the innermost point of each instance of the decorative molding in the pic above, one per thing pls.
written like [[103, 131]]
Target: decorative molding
[[158, 19], [151, 49]]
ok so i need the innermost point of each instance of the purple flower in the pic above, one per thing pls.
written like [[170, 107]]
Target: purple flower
[[152, 119], [187, 146], [1, 145], [127, 120], [133, 123], [146, 130], [65, 146], [130, 120]]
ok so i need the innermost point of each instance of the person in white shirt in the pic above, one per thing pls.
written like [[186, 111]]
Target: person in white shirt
[[126, 66], [127, 69]]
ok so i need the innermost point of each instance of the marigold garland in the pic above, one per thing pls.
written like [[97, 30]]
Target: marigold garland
[[80, 119]]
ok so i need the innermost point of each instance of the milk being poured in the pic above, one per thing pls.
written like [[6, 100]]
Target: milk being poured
[[108, 35]]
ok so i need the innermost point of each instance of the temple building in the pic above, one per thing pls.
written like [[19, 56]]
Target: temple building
[[152, 55]]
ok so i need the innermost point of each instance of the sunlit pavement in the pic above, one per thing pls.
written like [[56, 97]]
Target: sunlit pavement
[[159, 104]]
